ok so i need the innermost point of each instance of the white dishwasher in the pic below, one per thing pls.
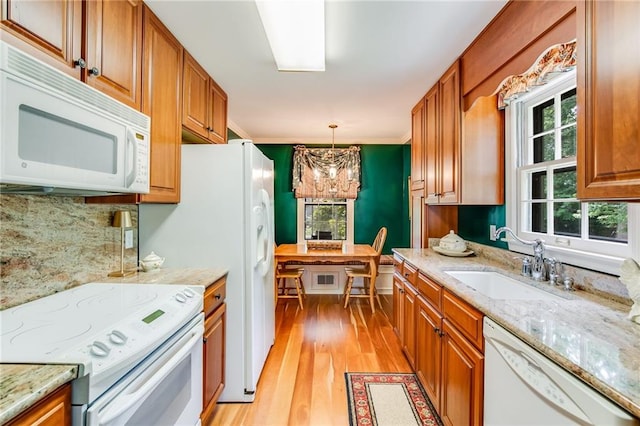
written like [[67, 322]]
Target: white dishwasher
[[523, 387]]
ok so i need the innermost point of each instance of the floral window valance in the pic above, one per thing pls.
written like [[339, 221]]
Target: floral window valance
[[555, 60], [326, 172]]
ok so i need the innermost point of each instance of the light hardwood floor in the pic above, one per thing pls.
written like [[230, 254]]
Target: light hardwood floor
[[303, 379]]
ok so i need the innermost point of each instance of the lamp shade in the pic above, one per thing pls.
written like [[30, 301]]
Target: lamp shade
[[122, 219]]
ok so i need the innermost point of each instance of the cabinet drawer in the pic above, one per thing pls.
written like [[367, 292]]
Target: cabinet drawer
[[409, 272], [465, 317], [214, 295], [397, 262], [431, 290]]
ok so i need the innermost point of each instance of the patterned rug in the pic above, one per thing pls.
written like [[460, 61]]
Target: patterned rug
[[388, 399]]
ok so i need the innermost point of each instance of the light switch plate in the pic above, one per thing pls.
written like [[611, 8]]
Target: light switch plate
[[128, 238]]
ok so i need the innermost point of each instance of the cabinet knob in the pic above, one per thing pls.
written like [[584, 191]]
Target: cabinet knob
[[94, 72], [436, 330], [80, 63], [209, 129], [217, 296]]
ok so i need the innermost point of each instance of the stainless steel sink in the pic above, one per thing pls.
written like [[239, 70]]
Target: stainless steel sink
[[498, 286]]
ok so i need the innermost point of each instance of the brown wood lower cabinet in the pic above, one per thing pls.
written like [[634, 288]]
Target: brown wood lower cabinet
[[442, 338], [213, 357], [429, 356], [53, 410], [462, 379]]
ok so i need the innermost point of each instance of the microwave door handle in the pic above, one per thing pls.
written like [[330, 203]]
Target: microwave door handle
[[131, 176]]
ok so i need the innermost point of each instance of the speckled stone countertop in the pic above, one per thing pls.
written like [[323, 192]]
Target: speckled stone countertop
[[188, 276], [588, 335], [22, 385]]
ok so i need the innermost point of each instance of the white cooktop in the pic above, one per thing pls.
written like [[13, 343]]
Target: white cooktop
[[104, 328]]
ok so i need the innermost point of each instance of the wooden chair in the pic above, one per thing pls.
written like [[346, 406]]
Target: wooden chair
[[284, 292], [366, 290]]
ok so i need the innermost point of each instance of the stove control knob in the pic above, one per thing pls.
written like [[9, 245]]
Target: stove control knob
[[188, 292], [181, 298], [99, 349], [118, 337]]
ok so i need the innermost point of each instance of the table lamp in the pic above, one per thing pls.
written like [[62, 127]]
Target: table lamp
[[122, 220]]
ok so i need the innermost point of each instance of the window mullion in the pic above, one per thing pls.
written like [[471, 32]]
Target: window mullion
[[550, 198]]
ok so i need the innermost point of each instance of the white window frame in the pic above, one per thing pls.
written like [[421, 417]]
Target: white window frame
[[608, 256], [300, 221]]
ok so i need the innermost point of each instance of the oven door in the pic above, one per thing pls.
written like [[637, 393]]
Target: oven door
[[165, 389]]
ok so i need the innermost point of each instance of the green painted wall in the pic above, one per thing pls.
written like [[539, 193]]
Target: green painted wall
[[382, 200], [474, 221]]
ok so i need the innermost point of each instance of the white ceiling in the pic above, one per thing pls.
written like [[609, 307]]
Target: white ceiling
[[381, 57]]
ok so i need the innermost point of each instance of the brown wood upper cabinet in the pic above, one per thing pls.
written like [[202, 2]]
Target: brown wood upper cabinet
[[106, 56], [608, 161], [417, 146], [482, 153], [442, 139], [204, 105], [162, 76]]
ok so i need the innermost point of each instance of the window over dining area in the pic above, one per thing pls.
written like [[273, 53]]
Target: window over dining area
[[325, 219]]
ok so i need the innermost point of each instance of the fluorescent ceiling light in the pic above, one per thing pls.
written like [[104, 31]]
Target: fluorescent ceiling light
[[295, 30]]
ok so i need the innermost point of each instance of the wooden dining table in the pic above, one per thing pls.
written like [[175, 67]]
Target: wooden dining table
[[349, 253]]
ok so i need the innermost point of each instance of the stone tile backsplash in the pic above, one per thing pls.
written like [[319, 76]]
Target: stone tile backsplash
[[49, 244]]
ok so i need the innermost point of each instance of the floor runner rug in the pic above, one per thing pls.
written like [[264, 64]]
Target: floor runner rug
[[388, 399]]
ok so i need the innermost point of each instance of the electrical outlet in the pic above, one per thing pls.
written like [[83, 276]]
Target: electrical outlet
[[128, 238], [492, 232]]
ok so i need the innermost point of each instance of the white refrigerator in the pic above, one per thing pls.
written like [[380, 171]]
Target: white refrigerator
[[225, 219]]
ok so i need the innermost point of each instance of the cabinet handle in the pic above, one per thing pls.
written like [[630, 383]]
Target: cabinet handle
[[204, 340], [209, 129], [80, 63], [406, 275], [94, 72], [436, 330], [218, 296]]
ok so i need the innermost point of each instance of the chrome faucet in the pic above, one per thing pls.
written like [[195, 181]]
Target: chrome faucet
[[538, 268]]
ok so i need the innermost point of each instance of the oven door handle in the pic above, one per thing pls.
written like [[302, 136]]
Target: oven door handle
[[115, 410]]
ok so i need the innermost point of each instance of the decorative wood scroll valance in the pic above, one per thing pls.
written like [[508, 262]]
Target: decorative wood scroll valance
[[311, 172], [555, 60]]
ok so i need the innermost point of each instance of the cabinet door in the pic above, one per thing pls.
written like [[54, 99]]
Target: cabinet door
[[195, 97], [428, 366], [53, 410], [409, 321], [417, 146], [432, 140], [398, 305], [213, 361], [462, 379], [608, 100], [417, 220], [114, 49], [162, 78], [482, 153], [49, 30], [217, 113], [450, 136]]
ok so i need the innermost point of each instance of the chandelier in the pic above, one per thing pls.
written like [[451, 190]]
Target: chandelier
[[325, 175]]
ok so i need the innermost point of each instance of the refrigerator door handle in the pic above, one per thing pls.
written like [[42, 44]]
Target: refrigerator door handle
[[263, 234]]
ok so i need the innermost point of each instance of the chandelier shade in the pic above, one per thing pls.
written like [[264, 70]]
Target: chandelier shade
[[326, 173]]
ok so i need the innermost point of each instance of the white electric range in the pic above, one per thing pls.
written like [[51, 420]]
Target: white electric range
[[138, 348]]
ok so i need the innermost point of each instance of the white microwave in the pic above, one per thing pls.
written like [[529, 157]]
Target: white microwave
[[59, 135]]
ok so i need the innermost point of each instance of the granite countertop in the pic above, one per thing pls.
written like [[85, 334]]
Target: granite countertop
[[187, 276], [23, 385], [588, 335]]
